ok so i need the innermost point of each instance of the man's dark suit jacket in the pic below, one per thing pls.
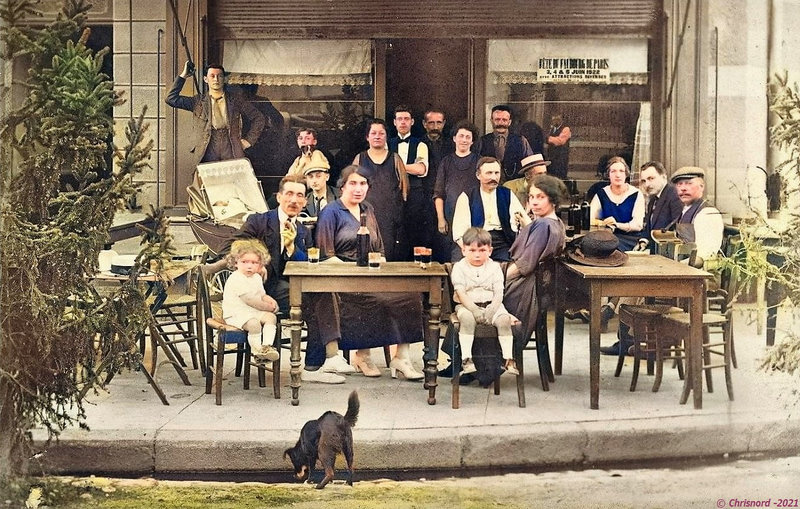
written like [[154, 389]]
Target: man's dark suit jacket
[[200, 106], [266, 228], [331, 196], [665, 210]]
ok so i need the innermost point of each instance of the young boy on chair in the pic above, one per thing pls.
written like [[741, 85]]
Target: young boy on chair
[[478, 291]]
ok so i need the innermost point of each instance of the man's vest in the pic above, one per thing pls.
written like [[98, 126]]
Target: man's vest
[[477, 216], [413, 180], [685, 227]]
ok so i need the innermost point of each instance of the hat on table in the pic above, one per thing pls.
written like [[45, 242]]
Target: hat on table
[[688, 172], [599, 249]]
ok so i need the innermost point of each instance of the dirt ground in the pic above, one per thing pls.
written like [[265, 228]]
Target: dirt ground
[[771, 482]]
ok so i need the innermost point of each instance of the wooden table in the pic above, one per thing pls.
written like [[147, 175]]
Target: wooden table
[[400, 277], [641, 276], [157, 285]]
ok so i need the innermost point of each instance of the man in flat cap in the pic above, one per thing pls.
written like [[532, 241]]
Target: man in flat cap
[[698, 215]]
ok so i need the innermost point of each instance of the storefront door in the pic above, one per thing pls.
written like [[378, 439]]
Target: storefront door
[[428, 73]]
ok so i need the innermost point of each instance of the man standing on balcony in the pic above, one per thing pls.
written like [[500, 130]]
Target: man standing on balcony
[[418, 212], [504, 146], [217, 117]]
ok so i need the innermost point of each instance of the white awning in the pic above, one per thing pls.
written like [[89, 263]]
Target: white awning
[[298, 62]]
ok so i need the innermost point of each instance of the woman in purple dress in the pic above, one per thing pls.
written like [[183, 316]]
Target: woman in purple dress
[[368, 320], [543, 237]]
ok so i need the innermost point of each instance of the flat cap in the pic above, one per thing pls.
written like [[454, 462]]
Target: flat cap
[[688, 172]]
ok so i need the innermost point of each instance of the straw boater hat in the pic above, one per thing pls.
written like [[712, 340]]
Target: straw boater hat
[[688, 172], [598, 248], [533, 160]]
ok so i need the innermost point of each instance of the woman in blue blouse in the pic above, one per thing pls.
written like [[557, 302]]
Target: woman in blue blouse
[[619, 205], [368, 320]]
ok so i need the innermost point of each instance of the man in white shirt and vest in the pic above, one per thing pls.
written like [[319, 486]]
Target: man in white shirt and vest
[[700, 222], [491, 207], [418, 220]]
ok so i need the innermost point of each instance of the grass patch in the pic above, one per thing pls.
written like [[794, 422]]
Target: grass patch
[[98, 492]]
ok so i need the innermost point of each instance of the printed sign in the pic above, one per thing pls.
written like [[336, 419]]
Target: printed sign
[[573, 70]]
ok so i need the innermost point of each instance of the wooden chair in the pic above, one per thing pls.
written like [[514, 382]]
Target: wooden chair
[[545, 275], [175, 317], [221, 339], [643, 321], [717, 352]]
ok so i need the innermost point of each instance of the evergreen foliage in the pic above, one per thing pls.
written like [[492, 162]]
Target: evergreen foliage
[[60, 339], [784, 103]]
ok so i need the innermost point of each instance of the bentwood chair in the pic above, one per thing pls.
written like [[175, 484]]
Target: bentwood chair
[[545, 274], [221, 339]]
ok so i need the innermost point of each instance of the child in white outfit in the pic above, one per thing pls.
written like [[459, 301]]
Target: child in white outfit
[[478, 285], [245, 303]]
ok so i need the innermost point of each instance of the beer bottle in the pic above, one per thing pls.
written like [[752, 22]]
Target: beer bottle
[[362, 239]]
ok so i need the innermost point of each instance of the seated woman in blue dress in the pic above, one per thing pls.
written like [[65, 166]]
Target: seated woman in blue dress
[[368, 320], [619, 205]]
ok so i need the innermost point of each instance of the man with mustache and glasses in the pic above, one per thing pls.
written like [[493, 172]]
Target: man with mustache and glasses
[[491, 207]]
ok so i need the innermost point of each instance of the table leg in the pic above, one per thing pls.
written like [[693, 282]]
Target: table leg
[[431, 350], [594, 348], [295, 327], [694, 350]]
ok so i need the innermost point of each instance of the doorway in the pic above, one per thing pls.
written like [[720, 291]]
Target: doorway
[[428, 73]]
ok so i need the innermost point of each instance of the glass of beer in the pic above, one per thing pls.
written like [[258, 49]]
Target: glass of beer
[[313, 255], [418, 251], [425, 257], [374, 260]]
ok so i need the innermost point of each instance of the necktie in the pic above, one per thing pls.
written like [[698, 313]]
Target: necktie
[[217, 119], [321, 202], [405, 140], [500, 147], [287, 236]]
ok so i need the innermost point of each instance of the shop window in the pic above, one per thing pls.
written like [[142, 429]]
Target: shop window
[[324, 84], [600, 87]]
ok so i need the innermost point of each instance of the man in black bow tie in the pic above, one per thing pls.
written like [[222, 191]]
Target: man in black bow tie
[[418, 218]]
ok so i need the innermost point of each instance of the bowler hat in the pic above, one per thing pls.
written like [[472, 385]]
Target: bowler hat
[[531, 161], [688, 172], [598, 248]]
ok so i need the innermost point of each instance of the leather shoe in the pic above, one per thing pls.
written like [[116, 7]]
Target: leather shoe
[[615, 348], [577, 314]]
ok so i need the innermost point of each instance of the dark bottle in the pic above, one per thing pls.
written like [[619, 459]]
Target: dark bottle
[[586, 219], [575, 218], [362, 242]]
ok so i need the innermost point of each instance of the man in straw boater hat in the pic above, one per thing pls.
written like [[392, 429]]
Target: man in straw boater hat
[[530, 166]]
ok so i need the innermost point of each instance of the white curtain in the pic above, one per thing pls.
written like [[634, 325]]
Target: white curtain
[[641, 143], [298, 62]]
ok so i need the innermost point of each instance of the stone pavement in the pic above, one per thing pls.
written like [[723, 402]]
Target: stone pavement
[[132, 433]]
